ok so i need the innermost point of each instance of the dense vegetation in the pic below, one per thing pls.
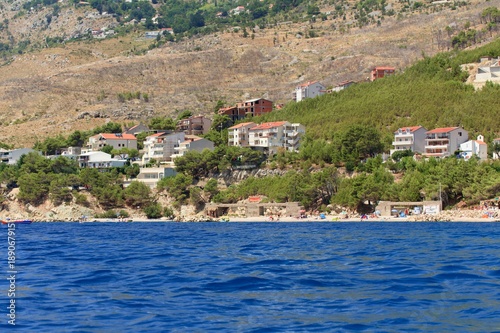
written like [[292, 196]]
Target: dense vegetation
[[432, 93]]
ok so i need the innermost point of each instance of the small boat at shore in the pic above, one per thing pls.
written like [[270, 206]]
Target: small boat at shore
[[16, 221]]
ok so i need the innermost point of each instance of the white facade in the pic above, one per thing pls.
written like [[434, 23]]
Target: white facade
[[151, 176], [13, 156], [293, 134], [192, 143], [489, 72], [117, 141], [409, 138], [161, 146], [238, 134], [274, 135], [99, 160], [443, 142], [308, 90], [475, 147]]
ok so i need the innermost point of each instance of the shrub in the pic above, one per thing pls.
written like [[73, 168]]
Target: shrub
[[153, 211]]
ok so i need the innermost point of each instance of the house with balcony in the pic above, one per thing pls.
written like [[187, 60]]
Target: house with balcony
[[409, 138], [292, 136], [116, 140], [233, 112], [192, 143], [151, 176], [195, 125], [272, 136], [161, 146], [309, 89], [444, 142], [474, 148], [255, 107], [238, 134], [381, 71], [99, 160]]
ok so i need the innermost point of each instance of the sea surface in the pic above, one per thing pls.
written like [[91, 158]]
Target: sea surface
[[254, 277]]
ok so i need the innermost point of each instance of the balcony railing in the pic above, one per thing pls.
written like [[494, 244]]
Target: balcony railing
[[437, 137], [402, 143], [433, 145]]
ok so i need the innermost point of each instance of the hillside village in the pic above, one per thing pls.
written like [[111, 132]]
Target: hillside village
[[265, 61], [161, 148]]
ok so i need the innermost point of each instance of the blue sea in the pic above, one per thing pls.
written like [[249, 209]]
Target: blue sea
[[254, 277]]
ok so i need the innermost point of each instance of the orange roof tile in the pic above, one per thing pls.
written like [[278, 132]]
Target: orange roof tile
[[240, 125], [114, 136], [410, 128], [269, 125], [480, 142], [442, 130]]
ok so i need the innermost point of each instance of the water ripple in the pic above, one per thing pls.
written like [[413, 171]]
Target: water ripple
[[257, 277]]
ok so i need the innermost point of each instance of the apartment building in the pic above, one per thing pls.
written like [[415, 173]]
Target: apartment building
[[409, 138], [443, 142]]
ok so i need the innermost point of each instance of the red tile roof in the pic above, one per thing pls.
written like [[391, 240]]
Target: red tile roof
[[410, 128], [385, 68], [480, 142], [241, 125], [443, 130], [269, 125], [156, 134], [113, 136]]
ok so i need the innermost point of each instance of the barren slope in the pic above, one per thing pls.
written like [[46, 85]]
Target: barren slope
[[58, 90]]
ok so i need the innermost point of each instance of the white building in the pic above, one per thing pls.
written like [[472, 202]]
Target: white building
[[475, 147], [161, 146], [238, 134], [343, 85], [99, 160], [151, 176], [116, 140], [271, 136], [192, 143], [293, 135], [489, 70], [12, 156], [409, 138], [308, 90], [443, 142]]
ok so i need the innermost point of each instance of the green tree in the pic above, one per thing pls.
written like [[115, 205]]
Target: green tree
[[153, 211], [137, 194], [184, 115], [162, 123], [34, 187]]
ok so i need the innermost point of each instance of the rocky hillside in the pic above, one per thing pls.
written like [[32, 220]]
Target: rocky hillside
[[77, 85]]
